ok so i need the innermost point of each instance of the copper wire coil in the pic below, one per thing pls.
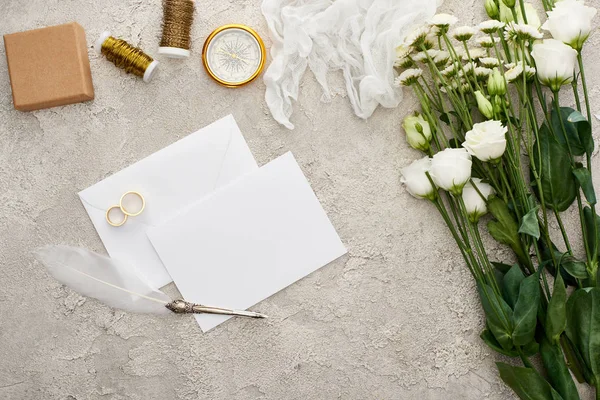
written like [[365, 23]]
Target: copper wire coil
[[125, 56], [178, 16]]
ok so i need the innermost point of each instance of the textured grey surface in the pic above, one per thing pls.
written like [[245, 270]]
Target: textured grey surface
[[397, 318]]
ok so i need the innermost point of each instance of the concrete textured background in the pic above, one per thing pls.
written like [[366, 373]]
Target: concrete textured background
[[397, 318]]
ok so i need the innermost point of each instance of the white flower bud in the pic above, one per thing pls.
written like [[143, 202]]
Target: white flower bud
[[475, 204], [491, 8], [531, 14], [496, 84], [484, 105], [418, 132]]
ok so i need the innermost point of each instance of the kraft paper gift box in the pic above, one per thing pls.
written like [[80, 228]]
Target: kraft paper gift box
[[49, 67]]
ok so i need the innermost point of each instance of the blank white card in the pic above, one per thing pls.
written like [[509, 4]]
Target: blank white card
[[247, 240]]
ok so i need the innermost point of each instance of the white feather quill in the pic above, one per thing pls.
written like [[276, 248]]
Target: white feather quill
[[108, 280], [102, 278]]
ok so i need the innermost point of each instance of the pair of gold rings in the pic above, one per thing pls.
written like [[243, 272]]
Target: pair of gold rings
[[126, 213]]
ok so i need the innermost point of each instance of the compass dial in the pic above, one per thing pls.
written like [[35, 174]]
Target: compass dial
[[234, 56]]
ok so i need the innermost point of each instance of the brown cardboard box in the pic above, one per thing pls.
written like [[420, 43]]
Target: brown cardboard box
[[49, 67]]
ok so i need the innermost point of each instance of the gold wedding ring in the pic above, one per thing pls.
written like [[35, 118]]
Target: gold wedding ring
[[126, 214], [111, 222]]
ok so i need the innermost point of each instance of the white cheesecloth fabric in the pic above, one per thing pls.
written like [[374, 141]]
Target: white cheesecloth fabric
[[358, 37]]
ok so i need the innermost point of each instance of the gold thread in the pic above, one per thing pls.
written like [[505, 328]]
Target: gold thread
[[115, 223], [263, 55], [178, 16], [127, 212], [125, 56]]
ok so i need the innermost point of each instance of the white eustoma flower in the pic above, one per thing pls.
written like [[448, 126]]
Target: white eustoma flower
[[491, 26], [487, 42], [530, 72], [443, 20], [416, 181], [489, 62], [474, 54], [450, 71], [533, 19], [555, 63], [475, 204], [482, 73], [441, 58], [514, 72], [486, 141], [418, 132], [514, 33], [451, 169], [409, 77], [463, 33], [417, 37], [423, 56], [402, 53], [468, 67], [570, 21]]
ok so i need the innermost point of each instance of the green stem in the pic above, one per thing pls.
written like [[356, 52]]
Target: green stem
[[464, 249], [579, 202], [585, 90], [576, 92], [525, 360], [563, 231]]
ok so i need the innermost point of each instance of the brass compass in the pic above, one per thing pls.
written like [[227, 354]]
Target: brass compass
[[234, 55]]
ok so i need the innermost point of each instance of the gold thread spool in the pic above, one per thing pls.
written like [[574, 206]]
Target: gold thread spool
[[178, 16], [127, 57]]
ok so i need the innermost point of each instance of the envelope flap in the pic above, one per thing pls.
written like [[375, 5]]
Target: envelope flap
[[178, 175]]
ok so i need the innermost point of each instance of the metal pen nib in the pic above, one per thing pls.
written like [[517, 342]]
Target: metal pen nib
[[185, 307]]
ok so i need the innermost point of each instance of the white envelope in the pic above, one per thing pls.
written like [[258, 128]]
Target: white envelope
[[248, 240], [170, 180]]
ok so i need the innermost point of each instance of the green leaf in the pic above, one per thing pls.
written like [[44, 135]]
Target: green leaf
[[498, 316], [529, 225], [584, 177], [511, 284], [525, 311], [591, 228], [504, 268], [549, 264], [559, 187], [577, 147], [574, 360], [584, 131], [558, 372], [505, 228], [445, 118], [531, 348], [583, 328], [574, 267], [556, 315], [491, 341], [527, 383]]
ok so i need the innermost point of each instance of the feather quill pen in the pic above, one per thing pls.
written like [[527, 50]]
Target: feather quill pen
[[107, 280]]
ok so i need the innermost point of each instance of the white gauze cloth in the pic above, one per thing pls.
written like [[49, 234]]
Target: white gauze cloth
[[358, 37]]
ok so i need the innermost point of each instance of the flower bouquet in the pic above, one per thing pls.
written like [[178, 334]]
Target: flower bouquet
[[497, 140]]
